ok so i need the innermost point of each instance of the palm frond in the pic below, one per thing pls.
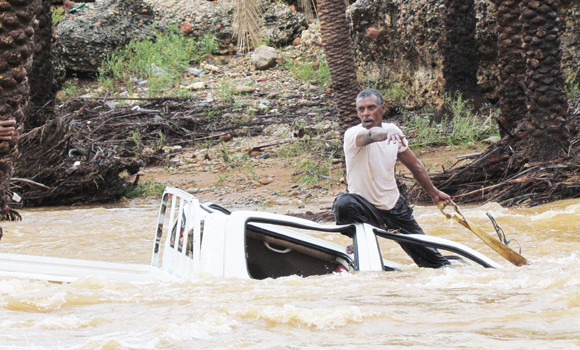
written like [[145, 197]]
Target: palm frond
[[247, 17]]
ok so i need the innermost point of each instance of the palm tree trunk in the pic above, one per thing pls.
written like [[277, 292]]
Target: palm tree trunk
[[511, 65], [42, 92], [548, 133], [15, 54], [338, 48], [460, 61]]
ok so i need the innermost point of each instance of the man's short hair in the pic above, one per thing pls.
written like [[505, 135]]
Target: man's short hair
[[371, 92]]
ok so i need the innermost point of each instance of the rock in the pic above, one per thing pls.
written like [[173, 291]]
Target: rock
[[186, 27], [372, 33], [491, 140], [263, 108], [84, 38], [311, 36], [264, 57], [196, 86], [265, 181], [240, 89], [208, 99], [210, 67], [282, 25]]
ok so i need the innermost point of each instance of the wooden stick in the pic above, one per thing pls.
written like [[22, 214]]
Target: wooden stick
[[512, 181], [469, 156], [478, 190], [30, 182]]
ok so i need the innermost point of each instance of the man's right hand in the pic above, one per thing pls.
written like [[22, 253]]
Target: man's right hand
[[7, 129]]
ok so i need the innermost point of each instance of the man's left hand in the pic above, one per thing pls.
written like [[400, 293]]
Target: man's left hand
[[441, 196], [394, 135]]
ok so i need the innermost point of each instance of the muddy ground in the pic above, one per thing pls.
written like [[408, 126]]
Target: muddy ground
[[272, 182]]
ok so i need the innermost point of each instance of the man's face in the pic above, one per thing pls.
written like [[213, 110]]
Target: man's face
[[370, 111]]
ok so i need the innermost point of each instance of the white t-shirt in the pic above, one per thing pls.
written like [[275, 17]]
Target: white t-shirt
[[370, 170]]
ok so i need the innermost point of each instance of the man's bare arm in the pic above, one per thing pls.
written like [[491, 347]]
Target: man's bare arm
[[378, 134], [420, 174]]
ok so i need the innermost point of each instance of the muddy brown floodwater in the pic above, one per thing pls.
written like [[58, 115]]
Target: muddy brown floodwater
[[531, 307]]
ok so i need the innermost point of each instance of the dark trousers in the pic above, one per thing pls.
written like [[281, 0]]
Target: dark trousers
[[351, 208]]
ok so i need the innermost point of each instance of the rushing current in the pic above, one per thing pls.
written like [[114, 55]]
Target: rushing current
[[536, 306]]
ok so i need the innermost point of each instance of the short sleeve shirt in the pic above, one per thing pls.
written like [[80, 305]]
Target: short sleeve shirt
[[370, 170]]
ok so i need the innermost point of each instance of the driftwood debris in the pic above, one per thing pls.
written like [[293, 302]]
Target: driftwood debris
[[502, 175], [505, 174], [93, 149], [60, 167]]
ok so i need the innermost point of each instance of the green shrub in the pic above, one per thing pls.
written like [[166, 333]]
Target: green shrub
[[310, 71], [145, 189], [395, 93], [463, 126], [158, 64], [205, 45], [313, 171], [70, 88], [227, 91], [57, 14], [572, 86], [317, 167]]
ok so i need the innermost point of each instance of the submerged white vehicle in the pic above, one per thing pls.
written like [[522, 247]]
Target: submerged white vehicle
[[193, 239]]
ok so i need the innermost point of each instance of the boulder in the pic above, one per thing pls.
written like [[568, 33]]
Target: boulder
[[85, 37], [264, 57], [282, 25]]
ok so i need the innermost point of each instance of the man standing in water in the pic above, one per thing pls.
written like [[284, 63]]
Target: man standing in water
[[371, 150]]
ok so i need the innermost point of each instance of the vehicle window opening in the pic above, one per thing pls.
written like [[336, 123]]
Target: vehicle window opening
[[268, 256]]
